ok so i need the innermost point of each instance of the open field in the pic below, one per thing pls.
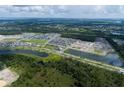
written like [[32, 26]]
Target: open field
[[35, 41]]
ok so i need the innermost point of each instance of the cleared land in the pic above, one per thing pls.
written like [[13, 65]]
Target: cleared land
[[7, 77]]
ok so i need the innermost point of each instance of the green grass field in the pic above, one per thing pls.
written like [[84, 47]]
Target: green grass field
[[36, 41], [10, 39], [52, 47]]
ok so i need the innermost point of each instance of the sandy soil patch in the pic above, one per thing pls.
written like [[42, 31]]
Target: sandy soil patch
[[3, 83], [7, 77]]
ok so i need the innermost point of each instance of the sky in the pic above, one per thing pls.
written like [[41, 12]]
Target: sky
[[61, 11]]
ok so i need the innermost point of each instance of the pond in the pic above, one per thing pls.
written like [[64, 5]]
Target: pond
[[112, 58], [41, 54]]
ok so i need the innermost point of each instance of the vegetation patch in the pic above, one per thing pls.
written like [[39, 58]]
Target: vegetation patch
[[10, 39], [52, 47], [36, 41]]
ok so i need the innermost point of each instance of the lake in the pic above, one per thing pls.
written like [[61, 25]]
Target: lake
[[36, 53]]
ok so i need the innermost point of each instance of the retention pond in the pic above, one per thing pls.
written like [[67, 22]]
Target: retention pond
[[36, 53], [111, 58]]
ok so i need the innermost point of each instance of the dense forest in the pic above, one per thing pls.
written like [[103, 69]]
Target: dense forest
[[58, 71]]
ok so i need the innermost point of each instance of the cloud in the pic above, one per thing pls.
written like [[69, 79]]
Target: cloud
[[67, 11]]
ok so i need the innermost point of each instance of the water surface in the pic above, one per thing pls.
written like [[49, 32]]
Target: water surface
[[111, 58], [41, 54]]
